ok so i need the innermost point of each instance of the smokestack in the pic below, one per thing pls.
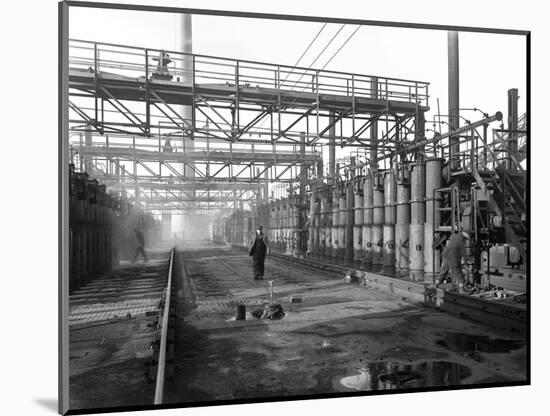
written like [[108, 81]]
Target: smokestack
[[454, 91]]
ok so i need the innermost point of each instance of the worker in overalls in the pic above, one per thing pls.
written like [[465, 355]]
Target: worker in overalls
[[258, 249], [452, 260]]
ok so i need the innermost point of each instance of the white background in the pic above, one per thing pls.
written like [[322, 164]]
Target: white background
[[28, 283]]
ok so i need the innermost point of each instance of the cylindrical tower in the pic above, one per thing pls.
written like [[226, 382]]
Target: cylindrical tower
[[390, 189], [378, 219], [367, 219], [403, 218], [418, 217], [433, 181], [358, 219]]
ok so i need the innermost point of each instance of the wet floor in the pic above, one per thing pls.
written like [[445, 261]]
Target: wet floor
[[341, 337], [387, 375], [475, 346]]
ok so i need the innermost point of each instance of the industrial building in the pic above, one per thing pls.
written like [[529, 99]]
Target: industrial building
[[358, 194]]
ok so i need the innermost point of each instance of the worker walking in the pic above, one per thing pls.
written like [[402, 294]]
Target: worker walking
[[140, 249], [452, 255], [258, 249]]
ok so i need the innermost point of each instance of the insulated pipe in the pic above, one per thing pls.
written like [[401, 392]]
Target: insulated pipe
[[335, 221], [378, 220], [313, 244], [367, 219], [342, 221], [403, 217], [374, 128], [328, 222], [332, 169], [432, 255], [418, 218], [322, 221], [358, 219], [350, 221], [389, 219]]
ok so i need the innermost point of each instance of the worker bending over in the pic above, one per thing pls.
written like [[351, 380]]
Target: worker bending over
[[452, 255]]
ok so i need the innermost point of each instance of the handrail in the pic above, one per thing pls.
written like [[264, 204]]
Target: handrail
[[311, 70], [331, 81], [159, 388]]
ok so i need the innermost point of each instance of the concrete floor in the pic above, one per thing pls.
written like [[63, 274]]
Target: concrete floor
[[341, 337]]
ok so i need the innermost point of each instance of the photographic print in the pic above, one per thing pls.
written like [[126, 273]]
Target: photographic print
[[259, 207]]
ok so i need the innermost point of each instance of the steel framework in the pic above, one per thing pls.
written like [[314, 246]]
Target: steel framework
[[251, 122]]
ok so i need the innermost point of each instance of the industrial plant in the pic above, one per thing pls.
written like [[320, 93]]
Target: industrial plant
[[243, 230]]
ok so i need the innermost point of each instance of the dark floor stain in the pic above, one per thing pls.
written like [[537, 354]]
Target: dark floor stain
[[388, 375]]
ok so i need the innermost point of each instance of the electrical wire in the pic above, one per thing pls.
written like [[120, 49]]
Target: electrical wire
[[341, 47]]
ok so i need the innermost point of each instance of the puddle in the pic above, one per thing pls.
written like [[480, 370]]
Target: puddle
[[387, 375], [470, 345]]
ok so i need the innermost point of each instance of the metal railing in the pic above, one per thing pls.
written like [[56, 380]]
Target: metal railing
[[193, 69], [161, 370]]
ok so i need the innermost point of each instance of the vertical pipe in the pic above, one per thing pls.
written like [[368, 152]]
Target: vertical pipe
[[378, 219], [332, 149], [322, 221], [350, 219], [403, 218], [431, 255], [512, 123], [358, 220], [453, 95], [342, 220], [184, 65], [335, 221], [367, 219], [418, 218], [374, 128], [390, 189], [328, 222]]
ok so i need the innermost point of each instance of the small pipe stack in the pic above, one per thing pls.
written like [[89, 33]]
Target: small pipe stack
[[418, 218], [328, 221]]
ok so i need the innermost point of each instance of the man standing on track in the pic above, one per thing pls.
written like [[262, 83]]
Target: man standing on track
[[140, 249], [258, 249]]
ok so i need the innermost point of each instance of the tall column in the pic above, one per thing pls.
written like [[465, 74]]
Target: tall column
[[184, 65], [378, 219], [358, 220], [374, 128], [367, 219], [88, 164], [335, 221], [432, 261], [350, 218], [453, 95], [512, 123], [418, 218], [342, 220], [390, 208], [332, 170], [328, 221], [403, 218]]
